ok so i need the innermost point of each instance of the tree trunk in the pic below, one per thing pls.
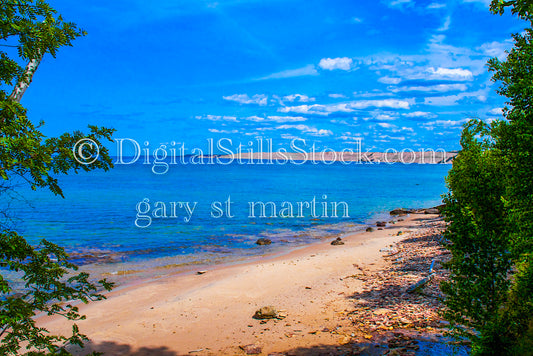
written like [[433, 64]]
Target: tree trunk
[[25, 82]]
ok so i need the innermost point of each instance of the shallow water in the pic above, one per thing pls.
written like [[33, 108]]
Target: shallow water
[[96, 221]]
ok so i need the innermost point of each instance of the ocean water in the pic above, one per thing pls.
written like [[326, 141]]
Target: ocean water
[[96, 222]]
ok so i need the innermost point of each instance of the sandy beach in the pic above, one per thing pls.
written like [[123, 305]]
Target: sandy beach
[[327, 297]]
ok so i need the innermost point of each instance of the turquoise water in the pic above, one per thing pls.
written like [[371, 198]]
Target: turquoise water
[[96, 220]]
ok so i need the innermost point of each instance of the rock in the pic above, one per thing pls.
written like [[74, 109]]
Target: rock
[[201, 272], [338, 241], [268, 312], [251, 349], [381, 224], [369, 229], [382, 311], [432, 211], [263, 241], [400, 211]]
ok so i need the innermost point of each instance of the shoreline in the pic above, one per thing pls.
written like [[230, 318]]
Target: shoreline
[[126, 273], [212, 313]]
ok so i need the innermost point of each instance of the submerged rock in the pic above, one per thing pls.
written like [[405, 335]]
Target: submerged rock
[[263, 241]]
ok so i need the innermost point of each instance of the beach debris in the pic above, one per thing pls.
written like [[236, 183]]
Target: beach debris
[[263, 241], [369, 229], [268, 312], [337, 241], [195, 351], [382, 305], [421, 283], [251, 349], [201, 272], [381, 224]]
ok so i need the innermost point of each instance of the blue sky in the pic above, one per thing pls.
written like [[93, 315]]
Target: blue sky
[[395, 74]]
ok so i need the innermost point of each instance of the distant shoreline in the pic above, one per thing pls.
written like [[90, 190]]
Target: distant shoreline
[[407, 157], [324, 157]]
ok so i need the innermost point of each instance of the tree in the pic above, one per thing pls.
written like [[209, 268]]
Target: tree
[[489, 296], [34, 29]]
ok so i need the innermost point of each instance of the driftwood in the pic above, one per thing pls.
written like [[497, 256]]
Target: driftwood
[[415, 287], [392, 254]]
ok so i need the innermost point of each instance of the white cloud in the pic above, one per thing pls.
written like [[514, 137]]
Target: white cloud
[[321, 109], [480, 95], [223, 131], [385, 117], [436, 5], [298, 72], [420, 114], [278, 119], [290, 137], [357, 20], [298, 97], [343, 63], [372, 94], [385, 103], [496, 112], [317, 109], [389, 80], [255, 118], [306, 129], [450, 73], [444, 123], [217, 118], [496, 49], [395, 3], [282, 119], [337, 96], [446, 25], [258, 99], [440, 88], [400, 138], [386, 125]]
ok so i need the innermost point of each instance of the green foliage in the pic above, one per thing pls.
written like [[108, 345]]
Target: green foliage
[[480, 259], [51, 285], [48, 289], [490, 210]]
